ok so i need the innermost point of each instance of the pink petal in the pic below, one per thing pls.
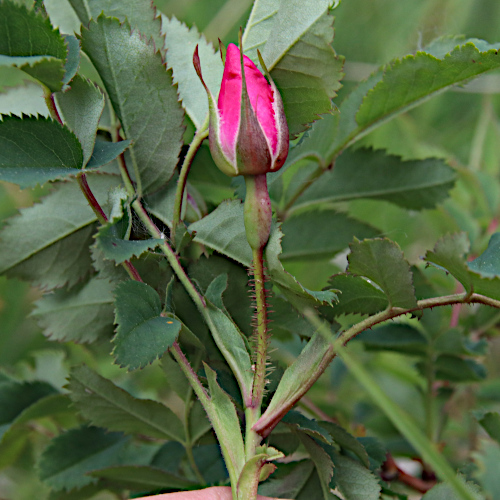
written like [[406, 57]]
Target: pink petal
[[229, 103]]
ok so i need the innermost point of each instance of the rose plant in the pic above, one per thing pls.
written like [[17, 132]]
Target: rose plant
[[144, 238]]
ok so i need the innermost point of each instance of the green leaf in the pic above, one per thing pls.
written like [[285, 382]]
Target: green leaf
[[382, 261], [395, 337], [322, 462], [65, 462], [16, 397], [83, 314], [105, 152], [106, 405], [346, 441], [119, 250], [180, 42], [224, 231], [143, 334], [64, 263], [295, 40], [457, 369], [28, 41], [80, 108], [453, 341], [490, 422], [448, 254], [357, 295], [354, 480], [228, 338], [36, 150], [324, 233], [294, 382], [365, 173], [142, 478], [141, 15], [443, 491], [415, 78], [394, 89], [222, 414], [488, 263], [145, 100], [405, 424], [288, 481], [308, 74], [308, 426]]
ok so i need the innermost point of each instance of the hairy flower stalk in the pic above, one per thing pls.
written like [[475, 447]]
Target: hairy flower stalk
[[248, 135]]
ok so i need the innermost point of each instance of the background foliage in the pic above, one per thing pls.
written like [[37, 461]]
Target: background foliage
[[443, 370]]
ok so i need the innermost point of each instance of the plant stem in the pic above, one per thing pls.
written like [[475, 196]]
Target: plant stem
[[318, 172], [271, 418], [429, 396], [260, 328], [170, 254], [200, 135], [207, 404]]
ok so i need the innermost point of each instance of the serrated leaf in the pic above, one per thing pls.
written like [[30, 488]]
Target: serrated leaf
[[357, 295], [28, 41], [417, 77], [395, 337], [303, 424], [322, 462], [80, 108], [143, 334], [83, 314], [365, 173], [180, 42], [64, 263], [36, 150], [143, 478], [324, 233], [353, 480], [295, 41], [448, 254], [104, 404], [65, 462], [488, 263], [118, 249], [288, 481], [145, 100], [394, 89], [346, 441], [15, 397], [490, 422], [444, 491], [141, 14], [382, 261], [309, 73], [105, 152]]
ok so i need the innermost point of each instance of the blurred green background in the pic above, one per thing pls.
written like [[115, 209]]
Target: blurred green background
[[461, 126]]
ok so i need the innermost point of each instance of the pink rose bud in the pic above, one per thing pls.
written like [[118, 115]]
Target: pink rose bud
[[248, 131]]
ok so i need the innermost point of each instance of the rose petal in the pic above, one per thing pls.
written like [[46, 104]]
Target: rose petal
[[229, 102]]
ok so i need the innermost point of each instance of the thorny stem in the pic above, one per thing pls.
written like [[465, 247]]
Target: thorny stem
[[260, 328], [269, 420], [85, 188], [199, 137]]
